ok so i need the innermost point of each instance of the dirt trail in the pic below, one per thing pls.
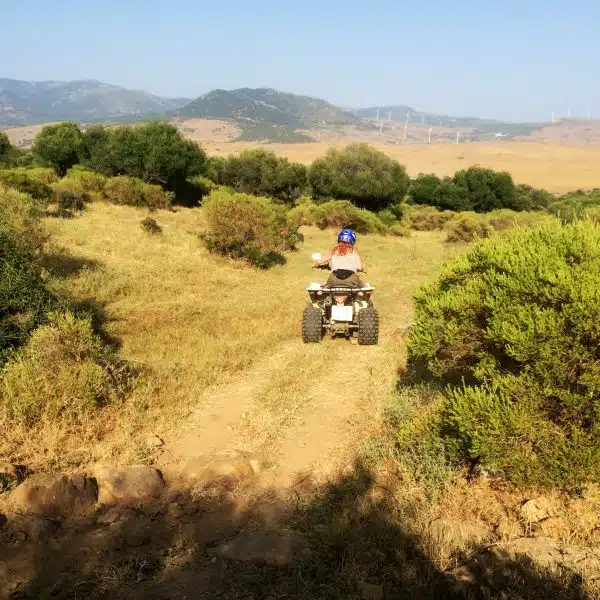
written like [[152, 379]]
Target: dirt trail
[[298, 409]]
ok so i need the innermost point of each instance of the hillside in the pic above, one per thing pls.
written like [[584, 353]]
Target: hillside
[[263, 111], [30, 102]]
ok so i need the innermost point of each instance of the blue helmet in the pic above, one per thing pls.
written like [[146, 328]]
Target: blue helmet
[[347, 236]]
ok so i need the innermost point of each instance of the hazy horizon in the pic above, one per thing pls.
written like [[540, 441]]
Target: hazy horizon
[[510, 61]]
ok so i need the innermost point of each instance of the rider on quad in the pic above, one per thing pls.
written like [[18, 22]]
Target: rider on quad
[[343, 260]]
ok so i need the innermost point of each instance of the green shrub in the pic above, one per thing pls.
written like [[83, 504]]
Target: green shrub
[[306, 214], [20, 219], [70, 203], [467, 227], [24, 298], [247, 227], [428, 218], [149, 225], [339, 214], [22, 180], [59, 374], [387, 216], [574, 205], [513, 326], [366, 176], [134, 192], [399, 230], [530, 198], [263, 173], [43, 174], [89, 181]]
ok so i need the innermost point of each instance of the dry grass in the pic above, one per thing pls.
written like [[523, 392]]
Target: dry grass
[[192, 321]]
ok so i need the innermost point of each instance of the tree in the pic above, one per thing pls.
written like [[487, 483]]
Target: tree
[[262, 173], [59, 146], [5, 147], [156, 153], [359, 173], [423, 187], [486, 189]]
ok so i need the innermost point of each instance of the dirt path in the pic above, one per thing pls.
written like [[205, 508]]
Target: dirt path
[[298, 409]]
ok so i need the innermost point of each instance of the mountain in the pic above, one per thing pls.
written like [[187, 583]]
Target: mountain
[[265, 106], [31, 102]]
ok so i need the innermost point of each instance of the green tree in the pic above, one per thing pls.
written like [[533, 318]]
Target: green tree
[[156, 153], [361, 174], [262, 173], [59, 146], [486, 189], [423, 187], [5, 147]]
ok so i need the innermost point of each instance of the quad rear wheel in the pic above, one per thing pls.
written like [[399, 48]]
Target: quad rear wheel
[[368, 326], [312, 325]]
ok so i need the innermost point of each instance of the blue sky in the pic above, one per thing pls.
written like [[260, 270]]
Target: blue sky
[[512, 60]]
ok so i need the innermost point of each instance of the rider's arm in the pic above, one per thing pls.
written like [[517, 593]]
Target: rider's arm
[[325, 260]]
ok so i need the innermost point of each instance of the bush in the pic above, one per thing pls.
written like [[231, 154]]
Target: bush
[[513, 327], [262, 173], [428, 218], [530, 198], [43, 174], [149, 225], [134, 192], [467, 227], [24, 298], [574, 205], [423, 188], [361, 174], [26, 182], [20, 220], [59, 146], [90, 181], [60, 374], [247, 227], [399, 230]]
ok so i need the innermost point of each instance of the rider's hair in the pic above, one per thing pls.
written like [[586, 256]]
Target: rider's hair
[[342, 249]]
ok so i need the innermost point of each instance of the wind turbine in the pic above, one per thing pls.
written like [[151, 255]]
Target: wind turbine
[[406, 124]]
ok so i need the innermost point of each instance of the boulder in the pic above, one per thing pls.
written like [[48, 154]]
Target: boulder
[[537, 509], [226, 469], [128, 485], [36, 529], [552, 554], [450, 533], [271, 548], [54, 495]]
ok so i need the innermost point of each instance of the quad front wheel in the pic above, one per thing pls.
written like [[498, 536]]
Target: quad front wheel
[[368, 326], [312, 325]]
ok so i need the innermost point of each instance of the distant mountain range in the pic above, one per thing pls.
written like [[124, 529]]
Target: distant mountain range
[[29, 102], [262, 113]]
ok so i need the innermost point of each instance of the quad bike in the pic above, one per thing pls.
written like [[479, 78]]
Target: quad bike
[[340, 310]]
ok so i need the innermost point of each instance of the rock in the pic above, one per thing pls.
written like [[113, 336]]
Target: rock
[[536, 509], [226, 469], [448, 533], [116, 515], [54, 495], [555, 527], [370, 591], [154, 441], [279, 548], [552, 554], [3, 520], [128, 485]]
